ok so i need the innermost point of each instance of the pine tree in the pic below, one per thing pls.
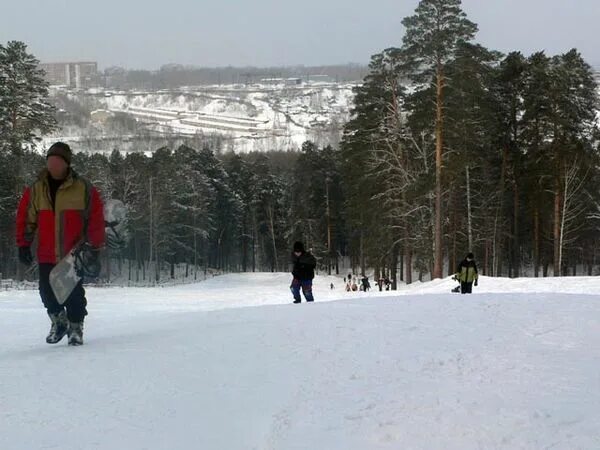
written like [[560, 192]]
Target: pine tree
[[134, 186], [316, 197], [190, 206], [432, 37], [25, 115], [268, 216], [25, 111], [471, 158], [508, 92], [240, 178], [574, 99], [364, 134]]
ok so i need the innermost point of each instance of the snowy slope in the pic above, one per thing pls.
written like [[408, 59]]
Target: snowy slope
[[229, 363]]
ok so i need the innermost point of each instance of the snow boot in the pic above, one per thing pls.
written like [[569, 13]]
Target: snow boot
[[75, 333], [59, 327]]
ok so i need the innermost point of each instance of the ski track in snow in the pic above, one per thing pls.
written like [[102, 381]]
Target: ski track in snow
[[229, 363]]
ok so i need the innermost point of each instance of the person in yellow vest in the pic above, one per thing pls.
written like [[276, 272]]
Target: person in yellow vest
[[467, 274]]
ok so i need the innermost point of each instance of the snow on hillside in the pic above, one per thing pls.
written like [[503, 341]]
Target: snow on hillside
[[250, 118], [230, 363]]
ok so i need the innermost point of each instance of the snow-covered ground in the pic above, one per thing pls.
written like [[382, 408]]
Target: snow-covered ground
[[249, 118], [230, 363]]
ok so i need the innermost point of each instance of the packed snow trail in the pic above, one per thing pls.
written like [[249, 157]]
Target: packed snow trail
[[195, 366]]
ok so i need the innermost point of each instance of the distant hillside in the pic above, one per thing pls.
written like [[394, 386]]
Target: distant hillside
[[174, 76], [279, 114]]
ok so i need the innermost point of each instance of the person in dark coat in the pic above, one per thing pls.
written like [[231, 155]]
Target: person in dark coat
[[467, 274], [365, 283], [303, 270]]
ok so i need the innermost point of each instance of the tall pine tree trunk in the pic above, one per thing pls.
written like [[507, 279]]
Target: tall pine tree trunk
[[497, 250], [401, 261], [328, 213], [362, 246], [270, 213], [516, 252], [439, 128], [254, 240], [469, 215], [244, 248], [556, 234], [536, 241], [394, 268], [453, 228], [408, 265], [151, 227], [486, 258]]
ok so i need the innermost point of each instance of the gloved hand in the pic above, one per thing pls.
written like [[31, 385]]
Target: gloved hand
[[91, 255], [88, 262], [476, 282], [25, 256]]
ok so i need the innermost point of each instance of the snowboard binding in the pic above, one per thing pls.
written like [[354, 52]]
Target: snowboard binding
[[87, 261]]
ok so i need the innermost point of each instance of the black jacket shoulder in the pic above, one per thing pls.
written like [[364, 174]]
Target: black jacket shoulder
[[304, 266]]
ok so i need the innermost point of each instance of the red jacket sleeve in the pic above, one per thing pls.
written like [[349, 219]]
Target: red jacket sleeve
[[24, 238], [95, 228]]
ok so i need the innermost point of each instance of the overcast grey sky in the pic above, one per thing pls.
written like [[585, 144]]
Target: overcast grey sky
[[149, 33]]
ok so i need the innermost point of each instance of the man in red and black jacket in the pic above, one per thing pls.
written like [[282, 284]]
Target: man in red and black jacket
[[64, 210]]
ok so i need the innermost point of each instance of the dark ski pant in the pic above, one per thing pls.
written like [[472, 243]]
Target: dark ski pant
[[306, 286], [75, 304], [466, 287]]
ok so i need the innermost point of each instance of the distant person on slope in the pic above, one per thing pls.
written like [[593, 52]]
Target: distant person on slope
[[64, 210], [303, 270], [365, 283], [467, 274]]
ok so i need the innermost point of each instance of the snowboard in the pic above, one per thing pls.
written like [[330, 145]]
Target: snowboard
[[71, 269], [64, 277]]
